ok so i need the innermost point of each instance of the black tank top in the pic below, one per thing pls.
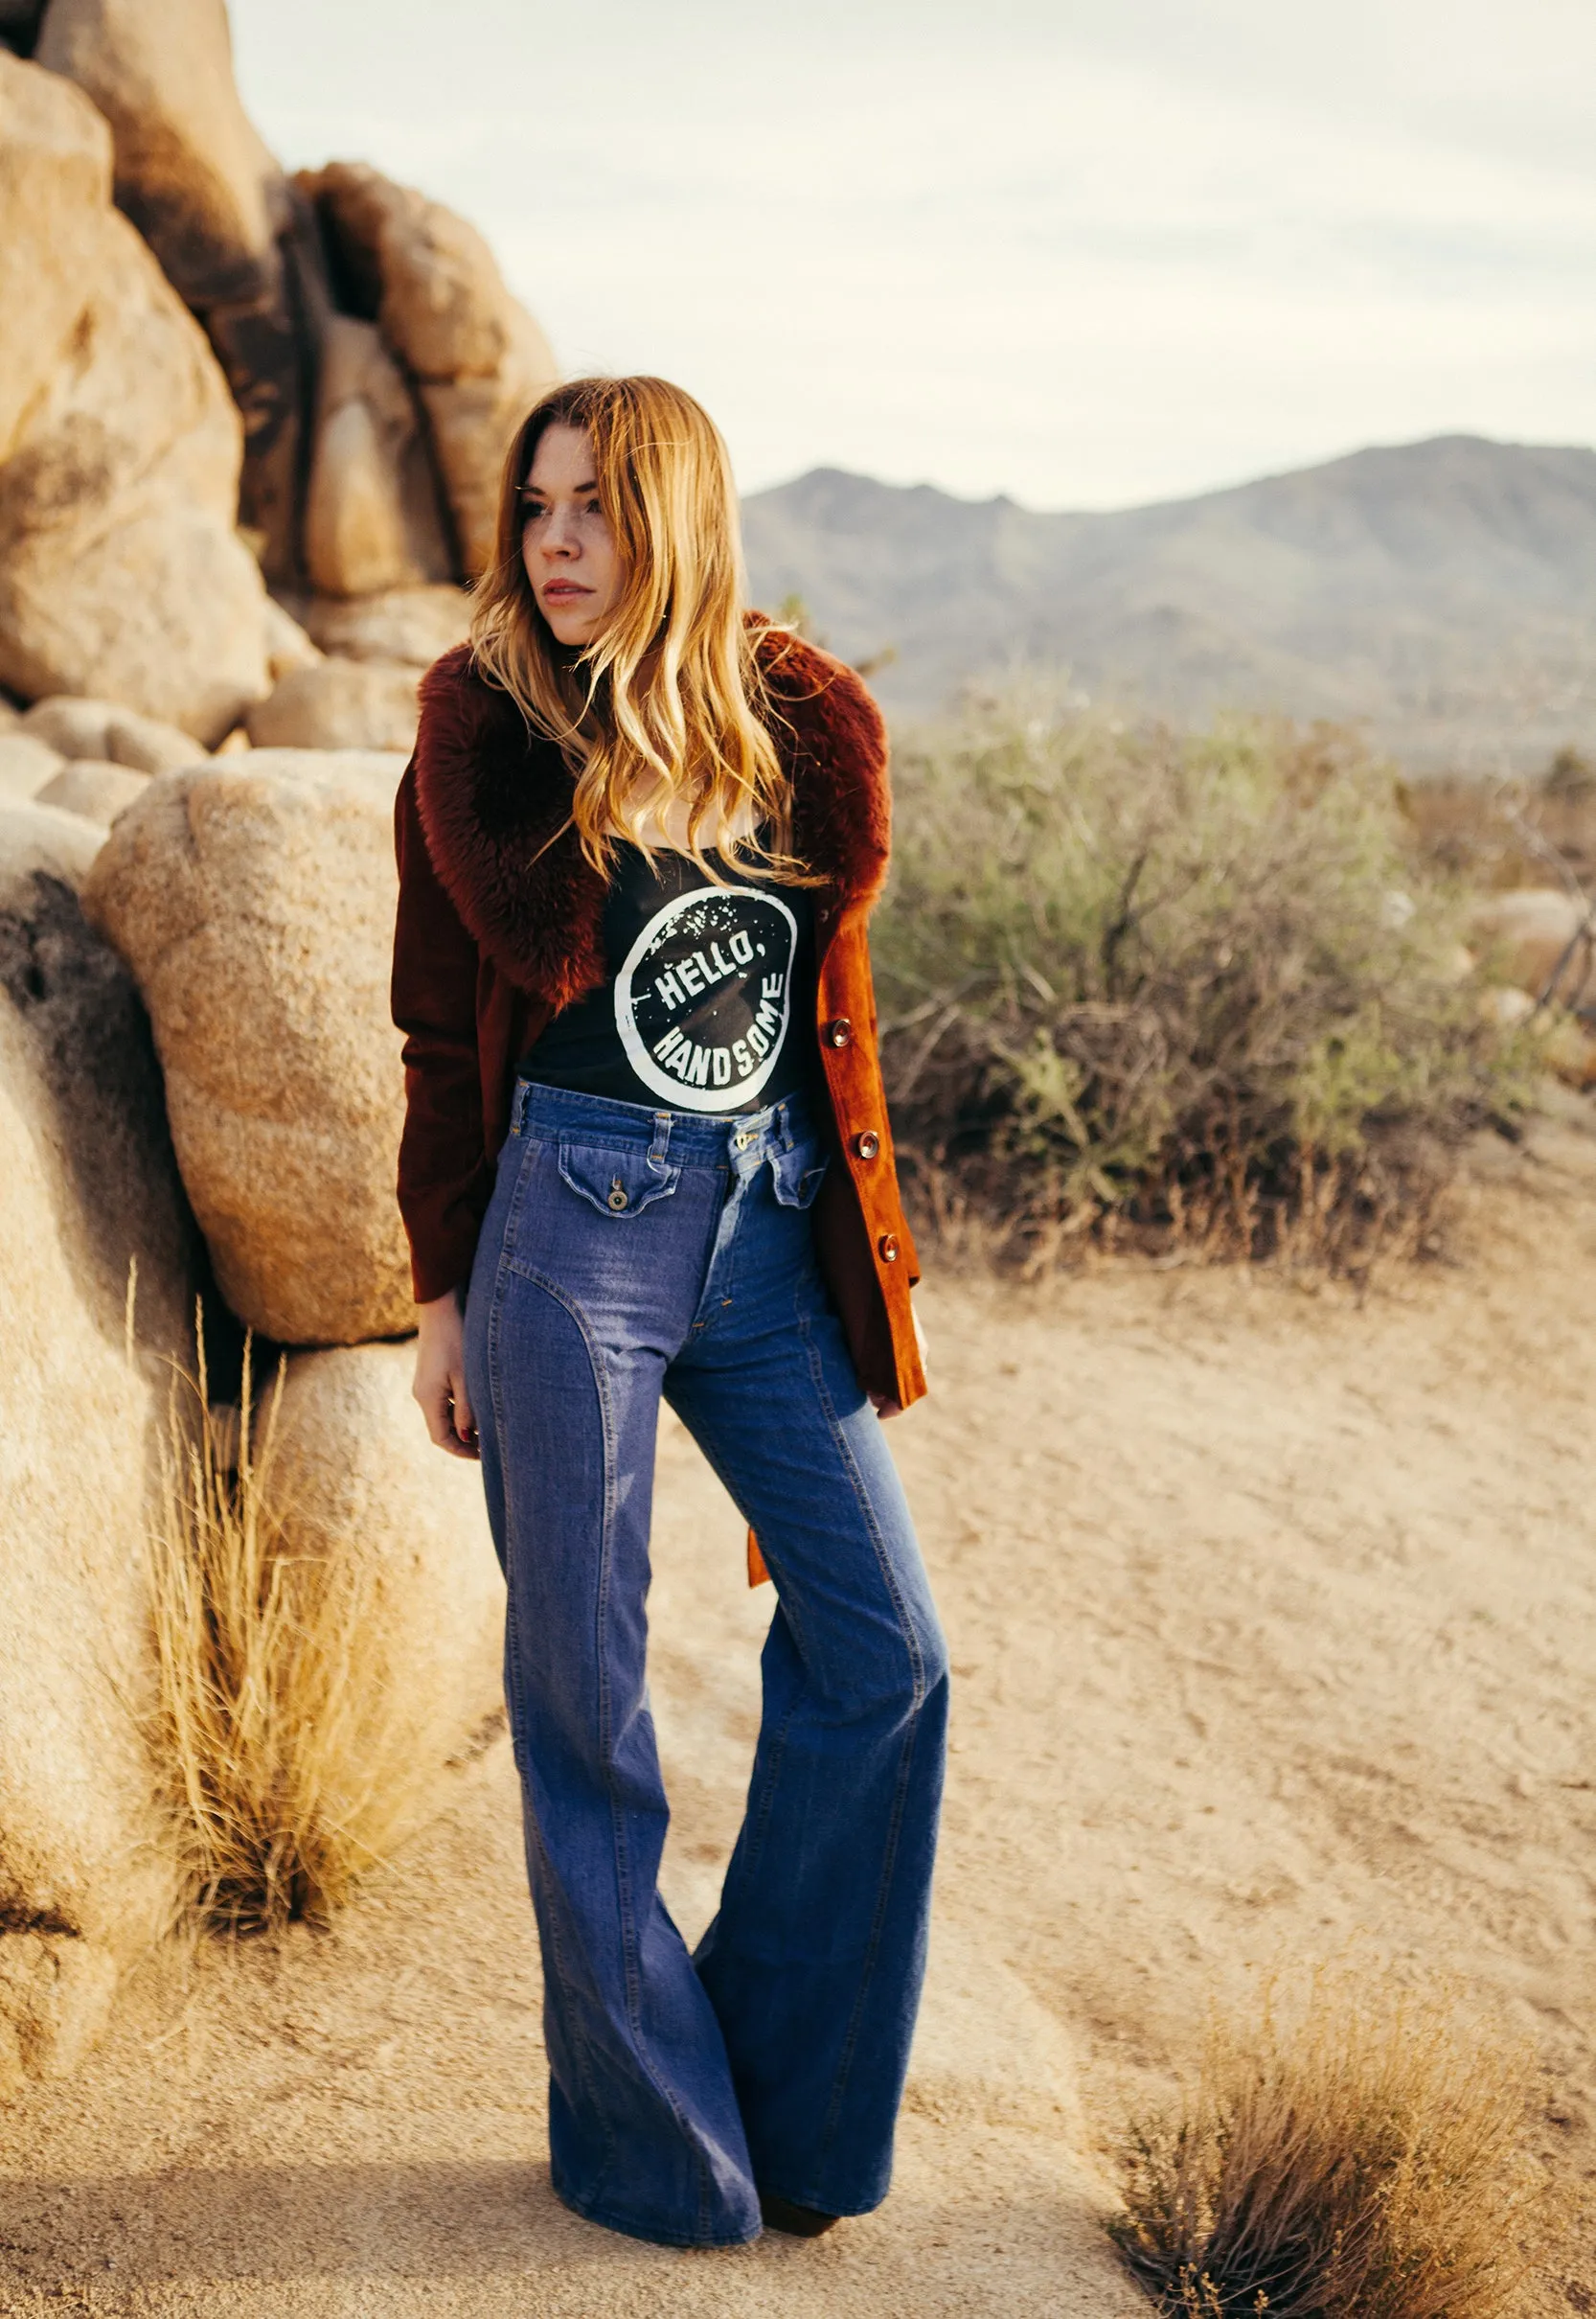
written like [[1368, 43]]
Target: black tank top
[[708, 1005]]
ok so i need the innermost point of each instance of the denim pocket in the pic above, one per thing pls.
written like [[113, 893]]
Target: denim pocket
[[799, 1174], [617, 1181]]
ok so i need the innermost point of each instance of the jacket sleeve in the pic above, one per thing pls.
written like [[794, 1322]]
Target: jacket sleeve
[[444, 1177]]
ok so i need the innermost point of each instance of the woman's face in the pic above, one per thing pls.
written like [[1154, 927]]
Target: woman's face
[[566, 544]]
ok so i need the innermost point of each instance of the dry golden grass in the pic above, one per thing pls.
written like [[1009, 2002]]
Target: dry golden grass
[[1362, 2154], [290, 1768]]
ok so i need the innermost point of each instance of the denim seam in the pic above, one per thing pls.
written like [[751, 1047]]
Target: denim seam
[[623, 1878], [517, 1701], [889, 1858], [760, 1817]]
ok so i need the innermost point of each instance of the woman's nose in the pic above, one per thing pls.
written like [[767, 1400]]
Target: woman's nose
[[560, 533]]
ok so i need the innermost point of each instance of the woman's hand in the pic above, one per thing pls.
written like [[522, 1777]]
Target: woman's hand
[[882, 1403], [439, 1385]]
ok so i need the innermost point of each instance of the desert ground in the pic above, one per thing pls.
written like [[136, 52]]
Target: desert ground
[[1273, 1611]]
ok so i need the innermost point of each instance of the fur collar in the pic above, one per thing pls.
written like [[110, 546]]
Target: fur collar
[[494, 799]]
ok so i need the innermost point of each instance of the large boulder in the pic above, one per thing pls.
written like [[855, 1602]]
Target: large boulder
[[431, 283], [119, 569], [91, 1191], [236, 241], [55, 191], [411, 626], [253, 897], [191, 171], [340, 704], [360, 1476], [121, 572], [372, 518], [106, 730]]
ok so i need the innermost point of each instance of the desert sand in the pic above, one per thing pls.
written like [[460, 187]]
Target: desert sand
[[1273, 1611]]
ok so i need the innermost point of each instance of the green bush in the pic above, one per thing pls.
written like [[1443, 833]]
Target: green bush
[[1190, 987]]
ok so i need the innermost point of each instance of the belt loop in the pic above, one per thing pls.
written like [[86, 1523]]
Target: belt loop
[[662, 1137], [517, 1108], [785, 1121]]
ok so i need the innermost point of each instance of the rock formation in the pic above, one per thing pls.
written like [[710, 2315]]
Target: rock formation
[[90, 1187], [376, 362], [208, 372], [253, 898], [429, 281]]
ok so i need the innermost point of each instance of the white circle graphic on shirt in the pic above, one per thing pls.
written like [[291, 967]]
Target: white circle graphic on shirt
[[702, 1000]]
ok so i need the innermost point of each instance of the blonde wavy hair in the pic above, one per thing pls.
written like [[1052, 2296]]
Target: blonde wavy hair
[[670, 702]]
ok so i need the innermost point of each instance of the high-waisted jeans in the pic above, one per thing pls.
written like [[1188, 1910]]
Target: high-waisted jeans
[[627, 1253]]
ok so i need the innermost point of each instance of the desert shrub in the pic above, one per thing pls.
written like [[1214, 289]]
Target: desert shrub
[[1360, 2154], [1189, 985], [289, 1764]]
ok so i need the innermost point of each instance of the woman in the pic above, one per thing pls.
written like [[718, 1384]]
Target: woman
[[647, 1152]]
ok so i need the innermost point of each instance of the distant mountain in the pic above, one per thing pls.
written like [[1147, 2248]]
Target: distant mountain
[[1441, 593]]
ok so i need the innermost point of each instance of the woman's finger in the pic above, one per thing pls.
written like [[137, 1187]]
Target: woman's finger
[[464, 1424]]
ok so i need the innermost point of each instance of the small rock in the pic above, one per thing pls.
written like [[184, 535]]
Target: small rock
[[95, 788], [287, 645], [26, 764], [339, 704], [411, 626], [1534, 932], [104, 729]]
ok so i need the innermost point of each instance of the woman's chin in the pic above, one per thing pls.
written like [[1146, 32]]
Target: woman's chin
[[572, 629]]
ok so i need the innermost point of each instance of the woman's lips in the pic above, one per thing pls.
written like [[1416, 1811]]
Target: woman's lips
[[561, 592]]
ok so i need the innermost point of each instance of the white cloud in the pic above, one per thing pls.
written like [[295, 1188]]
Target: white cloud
[[1082, 254]]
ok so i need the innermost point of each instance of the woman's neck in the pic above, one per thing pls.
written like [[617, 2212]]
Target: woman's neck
[[661, 821]]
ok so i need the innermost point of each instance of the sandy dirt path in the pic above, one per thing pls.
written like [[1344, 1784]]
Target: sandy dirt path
[[1273, 1618]]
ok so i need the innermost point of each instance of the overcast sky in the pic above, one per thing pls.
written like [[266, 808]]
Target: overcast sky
[[1084, 254]]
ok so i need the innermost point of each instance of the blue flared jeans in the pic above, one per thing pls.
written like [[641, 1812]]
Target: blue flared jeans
[[628, 1254]]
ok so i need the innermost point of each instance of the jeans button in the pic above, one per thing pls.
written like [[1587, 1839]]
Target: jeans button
[[839, 1033], [888, 1246], [617, 1195], [868, 1144]]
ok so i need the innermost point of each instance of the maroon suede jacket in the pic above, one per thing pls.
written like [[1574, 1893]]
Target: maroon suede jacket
[[500, 925]]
